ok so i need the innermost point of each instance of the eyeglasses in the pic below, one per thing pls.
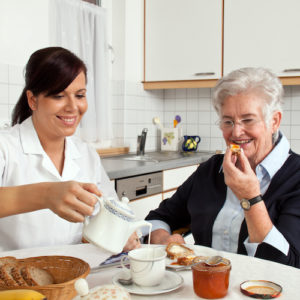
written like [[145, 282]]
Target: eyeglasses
[[244, 123]]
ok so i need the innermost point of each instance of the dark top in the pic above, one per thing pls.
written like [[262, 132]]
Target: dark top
[[199, 199]]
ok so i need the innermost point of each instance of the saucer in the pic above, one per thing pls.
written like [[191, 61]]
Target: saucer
[[170, 282]]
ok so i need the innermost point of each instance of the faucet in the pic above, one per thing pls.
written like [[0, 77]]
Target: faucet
[[141, 142]]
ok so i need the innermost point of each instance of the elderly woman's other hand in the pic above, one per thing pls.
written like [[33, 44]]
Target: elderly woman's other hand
[[239, 176], [132, 243], [163, 237]]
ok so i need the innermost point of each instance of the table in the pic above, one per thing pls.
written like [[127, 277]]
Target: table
[[243, 268]]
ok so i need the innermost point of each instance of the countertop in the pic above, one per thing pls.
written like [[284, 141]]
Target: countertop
[[119, 167]]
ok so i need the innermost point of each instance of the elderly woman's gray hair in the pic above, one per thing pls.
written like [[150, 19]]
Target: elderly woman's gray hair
[[251, 80]]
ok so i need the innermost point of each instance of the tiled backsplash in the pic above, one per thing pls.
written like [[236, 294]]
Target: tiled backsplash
[[134, 109]]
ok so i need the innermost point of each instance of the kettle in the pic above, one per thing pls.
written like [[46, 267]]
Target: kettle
[[111, 227]]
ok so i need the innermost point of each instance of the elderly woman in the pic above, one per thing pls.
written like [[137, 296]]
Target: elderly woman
[[247, 203]]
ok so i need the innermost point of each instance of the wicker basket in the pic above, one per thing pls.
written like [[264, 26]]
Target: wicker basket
[[65, 271]]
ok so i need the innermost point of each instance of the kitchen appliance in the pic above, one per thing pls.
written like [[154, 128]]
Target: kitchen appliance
[[139, 186]]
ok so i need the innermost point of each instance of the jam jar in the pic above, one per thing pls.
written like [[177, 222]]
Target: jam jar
[[211, 281]]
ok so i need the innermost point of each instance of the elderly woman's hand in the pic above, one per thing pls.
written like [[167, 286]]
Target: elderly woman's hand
[[239, 176], [132, 243]]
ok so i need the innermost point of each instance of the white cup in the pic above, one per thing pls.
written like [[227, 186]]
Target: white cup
[[147, 265]]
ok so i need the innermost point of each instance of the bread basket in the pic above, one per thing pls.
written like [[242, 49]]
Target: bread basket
[[65, 271]]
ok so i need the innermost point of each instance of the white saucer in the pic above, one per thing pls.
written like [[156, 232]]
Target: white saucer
[[171, 282]]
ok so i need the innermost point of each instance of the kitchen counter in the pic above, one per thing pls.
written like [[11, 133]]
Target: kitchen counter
[[122, 166]]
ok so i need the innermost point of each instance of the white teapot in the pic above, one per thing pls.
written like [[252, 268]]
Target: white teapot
[[111, 227]]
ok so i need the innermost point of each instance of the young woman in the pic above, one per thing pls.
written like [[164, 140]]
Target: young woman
[[49, 177]]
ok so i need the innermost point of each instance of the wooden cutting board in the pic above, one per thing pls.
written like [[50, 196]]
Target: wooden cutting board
[[106, 152]]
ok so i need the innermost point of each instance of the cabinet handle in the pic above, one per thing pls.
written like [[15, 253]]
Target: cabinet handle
[[204, 73], [291, 70]]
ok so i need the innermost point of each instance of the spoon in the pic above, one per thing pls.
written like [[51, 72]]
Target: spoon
[[125, 281], [213, 260], [210, 261]]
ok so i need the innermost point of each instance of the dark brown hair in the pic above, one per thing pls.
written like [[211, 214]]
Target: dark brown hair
[[48, 71]]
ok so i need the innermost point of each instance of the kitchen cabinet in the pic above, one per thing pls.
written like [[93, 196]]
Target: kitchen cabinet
[[216, 37], [183, 41], [173, 178], [142, 206], [262, 33]]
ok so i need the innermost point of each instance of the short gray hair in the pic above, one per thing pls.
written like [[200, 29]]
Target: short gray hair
[[251, 80]]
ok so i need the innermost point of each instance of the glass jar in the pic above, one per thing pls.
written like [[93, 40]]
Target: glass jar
[[211, 282]]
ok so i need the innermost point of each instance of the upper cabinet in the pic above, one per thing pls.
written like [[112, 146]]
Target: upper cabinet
[[262, 33], [183, 40], [193, 43]]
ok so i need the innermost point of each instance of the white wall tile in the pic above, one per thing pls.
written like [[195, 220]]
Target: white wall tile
[[192, 104], [295, 90], [192, 117], [204, 130], [204, 117], [191, 93], [14, 93], [296, 102], [170, 94], [286, 130], [204, 93], [295, 132], [204, 104], [192, 129], [180, 93], [4, 87], [295, 146], [15, 75], [3, 73], [4, 112]]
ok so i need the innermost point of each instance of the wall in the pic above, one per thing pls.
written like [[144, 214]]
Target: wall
[[23, 29], [133, 108]]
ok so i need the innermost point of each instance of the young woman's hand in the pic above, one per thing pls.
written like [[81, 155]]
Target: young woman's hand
[[71, 200]]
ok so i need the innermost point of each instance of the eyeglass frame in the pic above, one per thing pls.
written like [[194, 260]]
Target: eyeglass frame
[[230, 125]]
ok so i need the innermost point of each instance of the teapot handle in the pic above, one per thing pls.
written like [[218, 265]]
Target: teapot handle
[[86, 218]]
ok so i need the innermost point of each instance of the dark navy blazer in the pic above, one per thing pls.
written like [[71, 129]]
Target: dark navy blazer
[[199, 199]]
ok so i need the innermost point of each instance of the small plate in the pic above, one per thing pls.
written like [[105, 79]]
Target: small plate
[[261, 289], [171, 282]]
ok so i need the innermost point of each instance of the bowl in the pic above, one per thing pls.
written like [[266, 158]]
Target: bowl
[[211, 281], [65, 271]]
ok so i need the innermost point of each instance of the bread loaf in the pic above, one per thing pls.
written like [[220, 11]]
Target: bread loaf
[[36, 276], [15, 273], [7, 260], [6, 276]]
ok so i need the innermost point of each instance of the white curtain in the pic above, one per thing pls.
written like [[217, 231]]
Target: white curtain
[[82, 28]]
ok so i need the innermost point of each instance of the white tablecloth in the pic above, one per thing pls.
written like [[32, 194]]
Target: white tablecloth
[[243, 268]]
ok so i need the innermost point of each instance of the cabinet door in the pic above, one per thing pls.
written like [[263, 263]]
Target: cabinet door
[[183, 39], [142, 206], [262, 33], [173, 178]]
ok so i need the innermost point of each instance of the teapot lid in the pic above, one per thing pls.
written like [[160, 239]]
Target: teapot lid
[[119, 208]]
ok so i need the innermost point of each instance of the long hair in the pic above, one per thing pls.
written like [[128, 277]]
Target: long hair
[[48, 71]]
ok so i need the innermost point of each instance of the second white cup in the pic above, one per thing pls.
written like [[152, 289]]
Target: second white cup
[[147, 265]]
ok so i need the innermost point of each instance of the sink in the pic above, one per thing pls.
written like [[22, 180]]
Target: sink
[[158, 156]]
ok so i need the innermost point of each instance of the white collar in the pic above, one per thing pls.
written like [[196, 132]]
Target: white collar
[[31, 143]]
